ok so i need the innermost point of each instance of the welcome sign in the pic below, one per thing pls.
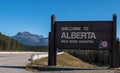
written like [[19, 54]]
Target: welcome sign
[[83, 34]]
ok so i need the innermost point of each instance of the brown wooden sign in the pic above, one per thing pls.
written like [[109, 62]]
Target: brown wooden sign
[[83, 34]]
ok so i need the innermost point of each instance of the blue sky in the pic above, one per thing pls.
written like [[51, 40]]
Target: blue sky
[[34, 15]]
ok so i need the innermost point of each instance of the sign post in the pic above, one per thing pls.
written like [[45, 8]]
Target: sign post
[[52, 46], [117, 53], [114, 50]]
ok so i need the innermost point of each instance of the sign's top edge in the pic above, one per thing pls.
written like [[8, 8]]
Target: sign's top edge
[[83, 21]]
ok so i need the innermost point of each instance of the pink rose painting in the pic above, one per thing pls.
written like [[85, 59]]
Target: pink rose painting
[[103, 44]]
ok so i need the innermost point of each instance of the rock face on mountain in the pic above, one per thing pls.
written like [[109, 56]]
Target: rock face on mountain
[[30, 39]]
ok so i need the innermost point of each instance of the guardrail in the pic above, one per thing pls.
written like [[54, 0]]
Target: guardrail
[[39, 56], [19, 52]]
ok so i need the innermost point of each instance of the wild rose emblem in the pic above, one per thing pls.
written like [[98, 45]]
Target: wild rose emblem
[[103, 44]]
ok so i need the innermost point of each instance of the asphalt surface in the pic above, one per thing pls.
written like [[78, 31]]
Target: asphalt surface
[[14, 62]]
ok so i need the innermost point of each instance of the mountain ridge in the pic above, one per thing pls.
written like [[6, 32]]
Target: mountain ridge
[[28, 38]]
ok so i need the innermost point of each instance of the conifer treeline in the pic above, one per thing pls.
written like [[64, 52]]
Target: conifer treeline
[[97, 57], [8, 44]]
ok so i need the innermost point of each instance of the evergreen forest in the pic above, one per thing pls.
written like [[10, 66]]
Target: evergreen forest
[[8, 44]]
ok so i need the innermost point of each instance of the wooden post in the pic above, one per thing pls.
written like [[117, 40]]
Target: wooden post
[[117, 52], [53, 36], [118, 44], [111, 59], [50, 50], [113, 56], [52, 46]]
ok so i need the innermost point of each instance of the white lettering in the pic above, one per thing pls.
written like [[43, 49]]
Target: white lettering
[[71, 28], [78, 35], [93, 36], [63, 35]]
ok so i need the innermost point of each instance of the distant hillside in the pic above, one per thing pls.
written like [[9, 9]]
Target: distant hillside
[[8, 44], [27, 38]]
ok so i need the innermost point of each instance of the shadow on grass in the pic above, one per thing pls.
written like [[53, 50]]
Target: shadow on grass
[[63, 68], [18, 67]]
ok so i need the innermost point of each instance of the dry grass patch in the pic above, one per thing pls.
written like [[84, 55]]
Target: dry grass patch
[[65, 60], [70, 61], [41, 62]]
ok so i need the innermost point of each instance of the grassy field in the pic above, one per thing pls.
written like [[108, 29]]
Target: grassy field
[[64, 60]]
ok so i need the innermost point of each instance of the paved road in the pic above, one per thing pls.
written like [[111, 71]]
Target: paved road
[[14, 62]]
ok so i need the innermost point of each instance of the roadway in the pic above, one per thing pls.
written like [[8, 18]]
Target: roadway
[[15, 62]]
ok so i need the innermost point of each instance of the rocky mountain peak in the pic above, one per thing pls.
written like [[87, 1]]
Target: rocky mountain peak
[[28, 38]]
